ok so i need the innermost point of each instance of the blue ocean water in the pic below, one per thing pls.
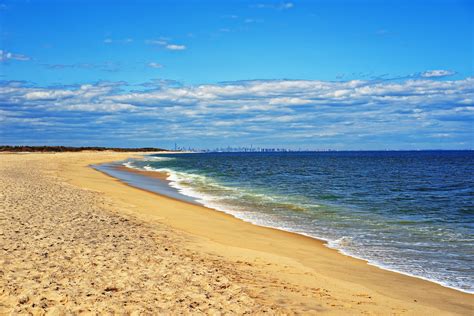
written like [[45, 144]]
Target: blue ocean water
[[411, 212]]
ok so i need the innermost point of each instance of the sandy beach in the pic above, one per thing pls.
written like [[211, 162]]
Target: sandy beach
[[76, 241]]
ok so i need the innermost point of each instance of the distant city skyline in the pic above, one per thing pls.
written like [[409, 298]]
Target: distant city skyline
[[258, 149], [343, 75]]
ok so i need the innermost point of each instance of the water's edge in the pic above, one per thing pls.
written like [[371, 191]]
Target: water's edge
[[167, 189]]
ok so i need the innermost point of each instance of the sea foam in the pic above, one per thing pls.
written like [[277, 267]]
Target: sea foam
[[352, 232]]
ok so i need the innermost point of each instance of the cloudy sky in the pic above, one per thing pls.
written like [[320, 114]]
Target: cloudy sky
[[297, 74]]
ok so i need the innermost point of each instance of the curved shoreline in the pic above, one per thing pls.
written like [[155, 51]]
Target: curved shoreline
[[229, 231], [279, 270], [163, 177]]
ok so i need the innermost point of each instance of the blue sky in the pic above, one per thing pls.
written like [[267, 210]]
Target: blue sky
[[311, 74]]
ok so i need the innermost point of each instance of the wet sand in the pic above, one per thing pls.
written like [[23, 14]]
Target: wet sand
[[74, 240]]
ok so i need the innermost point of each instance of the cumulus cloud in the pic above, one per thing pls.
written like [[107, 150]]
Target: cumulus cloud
[[437, 73], [6, 56], [296, 111]]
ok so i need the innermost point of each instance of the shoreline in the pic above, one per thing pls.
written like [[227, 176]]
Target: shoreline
[[427, 288], [280, 269], [163, 177]]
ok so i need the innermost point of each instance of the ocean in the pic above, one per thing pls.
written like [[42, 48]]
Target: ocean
[[407, 211]]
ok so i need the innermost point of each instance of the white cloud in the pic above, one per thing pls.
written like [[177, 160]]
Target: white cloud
[[99, 107], [279, 109], [156, 42], [288, 93], [270, 93], [155, 65], [230, 16], [175, 47], [165, 44], [437, 73], [106, 66], [287, 5], [5, 56], [118, 41], [253, 21], [49, 95], [279, 6], [289, 101]]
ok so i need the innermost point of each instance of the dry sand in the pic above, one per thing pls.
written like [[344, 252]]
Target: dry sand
[[73, 240]]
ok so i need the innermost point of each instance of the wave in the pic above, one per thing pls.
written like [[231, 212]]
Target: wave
[[245, 204], [129, 164], [155, 158]]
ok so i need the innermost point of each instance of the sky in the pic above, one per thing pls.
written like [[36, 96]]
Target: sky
[[344, 75]]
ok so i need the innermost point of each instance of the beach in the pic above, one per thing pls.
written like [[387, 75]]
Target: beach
[[74, 240]]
